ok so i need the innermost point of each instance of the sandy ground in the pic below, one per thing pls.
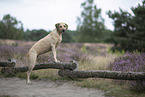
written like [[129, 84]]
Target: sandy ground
[[16, 87]]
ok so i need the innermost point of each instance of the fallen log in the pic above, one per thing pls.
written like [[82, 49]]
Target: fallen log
[[103, 74], [9, 63], [13, 70]]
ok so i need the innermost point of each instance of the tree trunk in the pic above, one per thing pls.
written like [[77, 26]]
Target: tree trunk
[[13, 70], [103, 74]]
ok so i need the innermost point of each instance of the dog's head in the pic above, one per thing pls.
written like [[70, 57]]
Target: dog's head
[[61, 27]]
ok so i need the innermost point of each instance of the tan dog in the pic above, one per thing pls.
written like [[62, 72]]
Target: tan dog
[[46, 44]]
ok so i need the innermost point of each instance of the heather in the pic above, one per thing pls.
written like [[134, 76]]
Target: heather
[[131, 62], [66, 52], [10, 51]]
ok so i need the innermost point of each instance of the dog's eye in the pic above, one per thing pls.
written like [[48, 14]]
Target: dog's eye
[[64, 26], [60, 26]]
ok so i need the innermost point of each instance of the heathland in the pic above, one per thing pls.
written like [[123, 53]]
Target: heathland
[[91, 56]]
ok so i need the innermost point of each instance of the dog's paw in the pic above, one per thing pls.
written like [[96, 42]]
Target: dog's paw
[[29, 83], [56, 61]]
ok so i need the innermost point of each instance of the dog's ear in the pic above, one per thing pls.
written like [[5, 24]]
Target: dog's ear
[[56, 25], [66, 26]]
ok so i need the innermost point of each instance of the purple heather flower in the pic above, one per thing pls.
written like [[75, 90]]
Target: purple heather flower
[[132, 62]]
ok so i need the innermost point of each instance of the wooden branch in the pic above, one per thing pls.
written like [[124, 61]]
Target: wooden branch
[[10, 63], [103, 74], [14, 70]]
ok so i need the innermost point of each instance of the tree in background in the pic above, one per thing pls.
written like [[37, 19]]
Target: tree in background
[[10, 28], [91, 24], [138, 36], [129, 30], [67, 37], [122, 25], [35, 35]]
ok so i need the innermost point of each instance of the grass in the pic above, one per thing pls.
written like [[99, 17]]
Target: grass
[[110, 88], [96, 62], [89, 60]]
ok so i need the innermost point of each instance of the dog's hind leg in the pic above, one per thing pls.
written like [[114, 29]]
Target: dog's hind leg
[[31, 64]]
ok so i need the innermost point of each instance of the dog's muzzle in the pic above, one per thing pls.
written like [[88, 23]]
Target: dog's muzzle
[[63, 30]]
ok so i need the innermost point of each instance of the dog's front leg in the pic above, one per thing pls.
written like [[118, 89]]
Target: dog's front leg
[[54, 53]]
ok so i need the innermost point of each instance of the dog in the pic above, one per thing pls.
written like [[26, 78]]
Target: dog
[[44, 45]]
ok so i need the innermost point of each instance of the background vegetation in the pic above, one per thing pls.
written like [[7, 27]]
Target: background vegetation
[[90, 24], [129, 29]]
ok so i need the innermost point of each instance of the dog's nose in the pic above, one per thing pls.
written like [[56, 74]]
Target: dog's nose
[[63, 30]]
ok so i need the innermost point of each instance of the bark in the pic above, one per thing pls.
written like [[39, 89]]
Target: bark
[[103, 74], [10, 63], [14, 70]]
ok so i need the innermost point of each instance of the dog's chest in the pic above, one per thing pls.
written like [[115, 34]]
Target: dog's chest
[[56, 40], [59, 41]]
